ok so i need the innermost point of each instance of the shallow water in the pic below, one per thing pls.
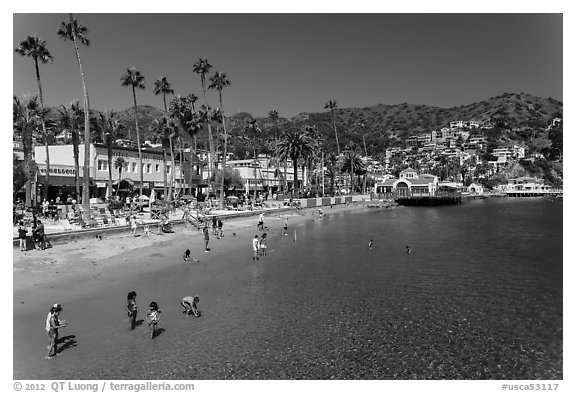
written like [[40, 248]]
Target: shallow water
[[478, 297]]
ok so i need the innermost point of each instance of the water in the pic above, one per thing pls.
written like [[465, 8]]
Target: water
[[478, 297]]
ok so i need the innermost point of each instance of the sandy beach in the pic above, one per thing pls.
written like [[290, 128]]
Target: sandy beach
[[87, 276]]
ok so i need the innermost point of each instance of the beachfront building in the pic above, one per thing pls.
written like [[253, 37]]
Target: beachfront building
[[261, 175], [410, 183], [476, 189], [527, 186], [187, 179]]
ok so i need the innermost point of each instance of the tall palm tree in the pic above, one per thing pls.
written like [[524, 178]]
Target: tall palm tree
[[134, 79], [331, 104], [219, 82], [252, 128], [111, 130], [71, 119], [181, 112], [35, 48], [273, 115], [75, 32], [352, 163], [293, 145], [25, 121], [202, 67], [159, 129], [120, 164], [162, 86]]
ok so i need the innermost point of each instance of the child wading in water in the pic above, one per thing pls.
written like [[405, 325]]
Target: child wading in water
[[153, 317], [131, 308], [263, 244], [189, 303]]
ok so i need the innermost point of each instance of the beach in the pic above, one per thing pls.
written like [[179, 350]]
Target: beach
[[88, 275]]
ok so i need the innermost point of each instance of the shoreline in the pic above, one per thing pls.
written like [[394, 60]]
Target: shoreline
[[88, 257]]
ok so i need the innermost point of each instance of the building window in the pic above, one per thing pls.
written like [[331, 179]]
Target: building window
[[157, 168], [148, 168], [134, 167], [168, 169], [102, 165]]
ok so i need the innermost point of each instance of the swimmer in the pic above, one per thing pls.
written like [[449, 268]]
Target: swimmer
[[370, 245], [407, 249]]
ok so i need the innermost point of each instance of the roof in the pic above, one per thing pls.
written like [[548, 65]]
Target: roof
[[408, 170]]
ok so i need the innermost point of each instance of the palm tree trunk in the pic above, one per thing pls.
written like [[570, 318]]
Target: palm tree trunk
[[171, 189], [211, 155], [119, 180], [335, 132], [181, 166], [75, 150], [222, 191], [138, 141], [164, 173], [86, 173], [45, 189], [110, 152]]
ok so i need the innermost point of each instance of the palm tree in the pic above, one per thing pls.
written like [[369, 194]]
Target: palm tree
[[134, 79], [25, 120], [331, 104], [111, 129], [252, 128], [75, 32], [352, 164], [35, 48], [202, 67], [293, 145], [273, 115], [219, 82], [70, 119], [120, 164], [162, 86], [332, 169], [158, 127]]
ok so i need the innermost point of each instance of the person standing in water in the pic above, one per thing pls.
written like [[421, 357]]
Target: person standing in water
[[370, 245], [285, 227], [255, 248]]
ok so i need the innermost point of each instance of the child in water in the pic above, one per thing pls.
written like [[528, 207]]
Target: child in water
[[263, 244], [189, 303], [153, 318]]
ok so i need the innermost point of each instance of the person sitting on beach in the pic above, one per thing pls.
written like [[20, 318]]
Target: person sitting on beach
[[187, 255], [53, 323], [153, 317], [320, 213], [190, 305], [255, 248], [263, 244]]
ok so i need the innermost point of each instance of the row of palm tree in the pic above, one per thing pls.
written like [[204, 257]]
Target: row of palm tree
[[182, 117]]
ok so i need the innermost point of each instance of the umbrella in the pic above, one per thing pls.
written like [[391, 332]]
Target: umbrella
[[232, 197], [152, 196], [95, 200], [186, 197], [143, 198], [108, 192]]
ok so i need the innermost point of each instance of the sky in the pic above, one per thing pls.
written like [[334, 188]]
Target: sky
[[295, 63]]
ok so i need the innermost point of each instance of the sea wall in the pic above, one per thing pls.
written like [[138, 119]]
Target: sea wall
[[313, 202]]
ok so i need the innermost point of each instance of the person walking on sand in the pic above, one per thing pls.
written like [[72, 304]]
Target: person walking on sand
[[261, 222], [206, 237], [153, 317], [134, 225], [53, 323], [255, 248], [190, 305], [40, 235], [220, 225], [22, 235], [285, 227]]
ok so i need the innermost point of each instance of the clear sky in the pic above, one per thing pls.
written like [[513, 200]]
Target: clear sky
[[297, 62]]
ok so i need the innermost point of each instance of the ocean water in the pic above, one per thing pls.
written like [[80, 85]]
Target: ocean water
[[478, 297]]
